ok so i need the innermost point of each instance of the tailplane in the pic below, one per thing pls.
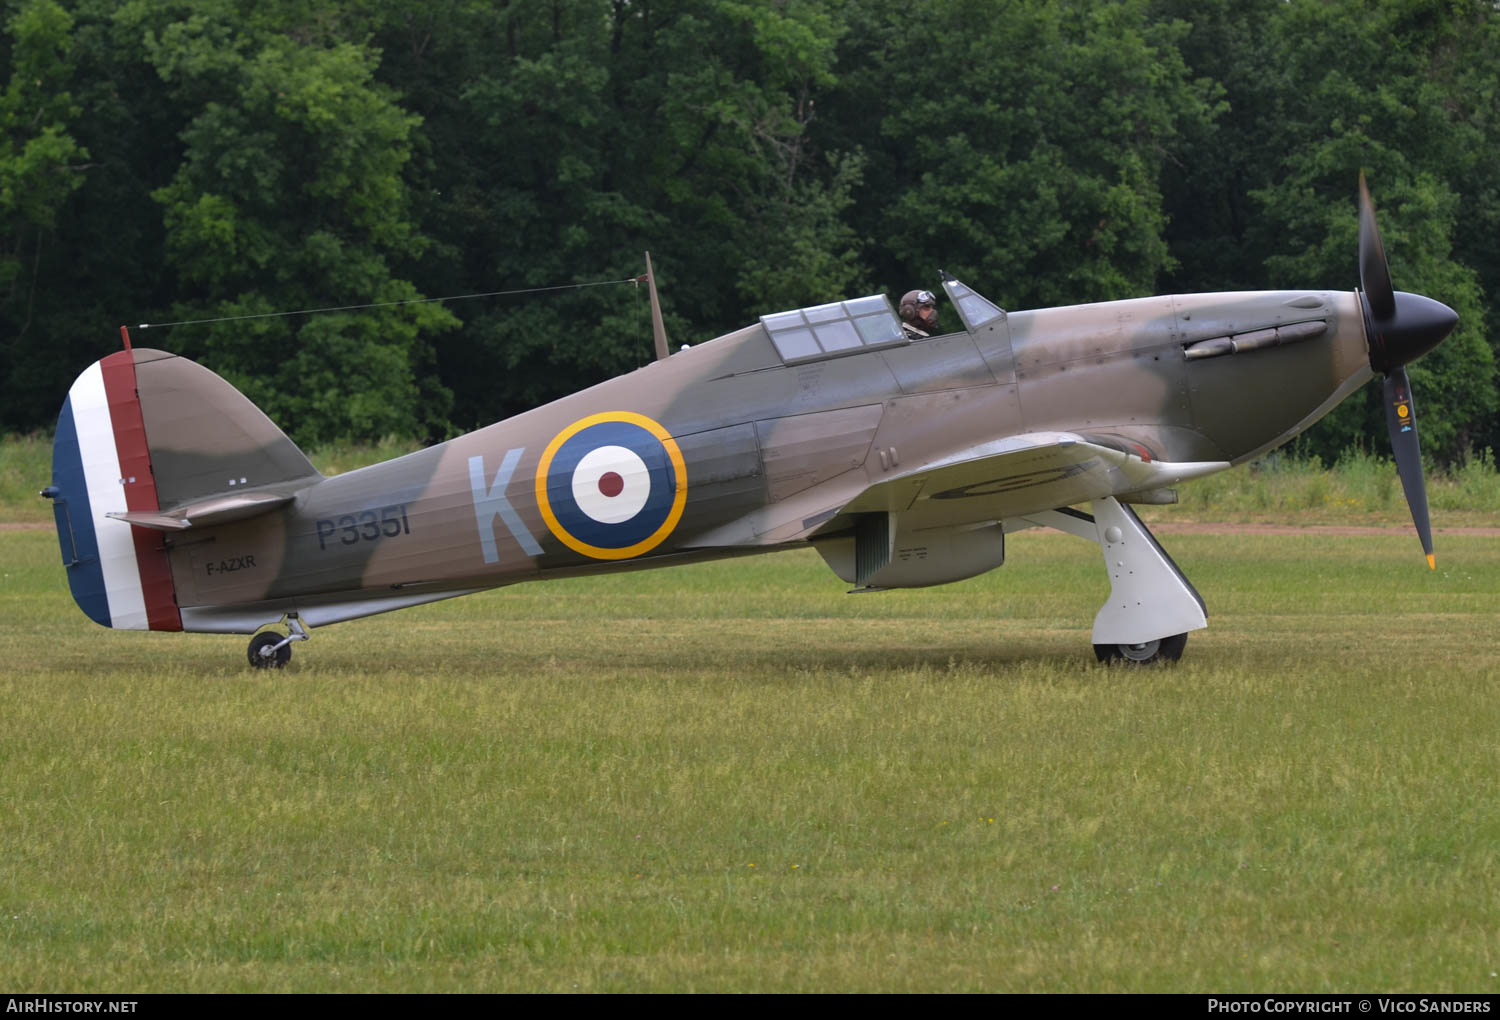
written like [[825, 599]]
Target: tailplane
[[149, 443]]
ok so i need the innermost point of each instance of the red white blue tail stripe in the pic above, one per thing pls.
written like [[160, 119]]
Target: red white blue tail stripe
[[120, 575]]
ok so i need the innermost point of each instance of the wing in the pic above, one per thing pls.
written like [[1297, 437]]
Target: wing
[[1014, 476], [987, 482]]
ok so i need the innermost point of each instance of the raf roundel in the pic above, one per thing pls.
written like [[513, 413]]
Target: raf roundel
[[612, 485]]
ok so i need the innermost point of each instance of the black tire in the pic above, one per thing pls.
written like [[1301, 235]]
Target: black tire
[[1168, 649], [279, 658]]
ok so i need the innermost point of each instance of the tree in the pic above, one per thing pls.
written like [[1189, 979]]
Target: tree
[[290, 195], [1019, 145], [41, 166], [1317, 93], [567, 138]]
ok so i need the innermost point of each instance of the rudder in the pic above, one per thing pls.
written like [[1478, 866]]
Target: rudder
[[147, 435]]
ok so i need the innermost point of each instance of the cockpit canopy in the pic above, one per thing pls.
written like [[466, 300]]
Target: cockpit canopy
[[838, 327], [861, 324]]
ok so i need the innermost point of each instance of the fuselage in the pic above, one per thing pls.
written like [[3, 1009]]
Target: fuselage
[[723, 448]]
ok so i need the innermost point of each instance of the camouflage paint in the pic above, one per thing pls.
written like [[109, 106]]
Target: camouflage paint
[[961, 427]]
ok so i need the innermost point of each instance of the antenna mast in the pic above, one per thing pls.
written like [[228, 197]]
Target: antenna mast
[[658, 331]]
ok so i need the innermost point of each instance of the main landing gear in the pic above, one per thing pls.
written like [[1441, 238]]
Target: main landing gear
[[1152, 606], [1167, 649], [269, 650]]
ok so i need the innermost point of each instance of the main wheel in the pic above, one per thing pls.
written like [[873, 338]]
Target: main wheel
[[1167, 649], [261, 659]]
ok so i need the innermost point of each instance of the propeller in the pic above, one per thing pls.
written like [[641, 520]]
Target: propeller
[[1401, 327]]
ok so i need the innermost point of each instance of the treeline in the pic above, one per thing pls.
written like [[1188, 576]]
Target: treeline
[[167, 161]]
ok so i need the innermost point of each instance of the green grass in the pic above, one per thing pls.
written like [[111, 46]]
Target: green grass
[[25, 468], [1359, 489], [734, 777]]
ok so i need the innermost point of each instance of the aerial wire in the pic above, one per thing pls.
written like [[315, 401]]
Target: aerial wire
[[388, 304]]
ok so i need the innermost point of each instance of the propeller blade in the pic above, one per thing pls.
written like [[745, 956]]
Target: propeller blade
[[1374, 271], [1401, 420]]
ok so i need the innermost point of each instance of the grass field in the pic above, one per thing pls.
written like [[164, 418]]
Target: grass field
[[735, 777]]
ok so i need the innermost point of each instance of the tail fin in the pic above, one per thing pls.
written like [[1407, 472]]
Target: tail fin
[[149, 442]]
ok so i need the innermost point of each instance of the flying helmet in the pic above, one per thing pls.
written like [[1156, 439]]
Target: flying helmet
[[913, 300]]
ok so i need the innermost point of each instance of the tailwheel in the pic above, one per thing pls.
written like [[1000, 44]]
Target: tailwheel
[[1167, 649], [269, 649]]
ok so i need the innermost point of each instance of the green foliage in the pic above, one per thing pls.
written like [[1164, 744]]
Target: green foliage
[[291, 185], [1318, 92], [608, 129], [804, 247], [162, 161], [1456, 383], [1022, 149], [41, 164], [35, 172]]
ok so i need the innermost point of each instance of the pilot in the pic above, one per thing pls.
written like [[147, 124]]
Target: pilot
[[919, 317]]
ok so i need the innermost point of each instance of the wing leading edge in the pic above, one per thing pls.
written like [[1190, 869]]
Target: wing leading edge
[[1014, 476]]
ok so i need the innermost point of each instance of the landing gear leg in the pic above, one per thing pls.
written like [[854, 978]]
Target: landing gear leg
[[1152, 606], [269, 650]]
